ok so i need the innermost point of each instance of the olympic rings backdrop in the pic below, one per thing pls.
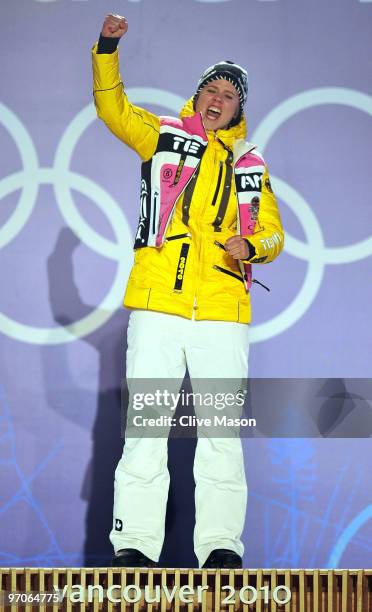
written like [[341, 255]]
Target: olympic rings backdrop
[[69, 195]]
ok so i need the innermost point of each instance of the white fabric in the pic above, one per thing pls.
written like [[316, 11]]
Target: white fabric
[[161, 346]]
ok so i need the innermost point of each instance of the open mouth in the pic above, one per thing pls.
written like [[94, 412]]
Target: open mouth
[[213, 113]]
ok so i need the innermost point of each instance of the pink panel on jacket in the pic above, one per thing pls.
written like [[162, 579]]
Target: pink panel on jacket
[[172, 122], [247, 225], [250, 160], [248, 274], [169, 192], [192, 125]]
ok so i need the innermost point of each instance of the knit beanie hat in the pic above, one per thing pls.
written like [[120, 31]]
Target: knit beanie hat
[[233, 73]]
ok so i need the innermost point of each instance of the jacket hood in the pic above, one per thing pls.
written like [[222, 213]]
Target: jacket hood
[[236, 132]]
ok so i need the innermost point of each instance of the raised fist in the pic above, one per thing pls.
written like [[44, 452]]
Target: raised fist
[[114, 26]]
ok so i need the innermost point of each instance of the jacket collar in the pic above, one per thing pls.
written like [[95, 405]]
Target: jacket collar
[[241, 148], [234, 138]]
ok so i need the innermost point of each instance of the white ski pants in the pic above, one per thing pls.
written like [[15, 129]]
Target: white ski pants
[[161, 346]]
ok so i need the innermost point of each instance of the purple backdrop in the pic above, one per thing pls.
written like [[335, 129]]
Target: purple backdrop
[[69, 203]]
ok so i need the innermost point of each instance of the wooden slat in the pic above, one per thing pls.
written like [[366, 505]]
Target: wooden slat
[[83, 582], [67, 601], [345, 596], [288, 584], [331, 600], [273, 585], [13, 587], [323, 581], [245, 607], [27, 588], [177, 583], [203, 605], [359, 591], [42, 589], [95, 606], [55, 575], [137, 582], [164, 602], [302, 592], [121, 578], [150, 582], [190, 582], [231, 575], [217, 591], [259, 603], [110, 582], [316, 592]]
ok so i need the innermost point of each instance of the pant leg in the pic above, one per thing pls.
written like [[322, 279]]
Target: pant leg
[[142, 477], [218, 350]]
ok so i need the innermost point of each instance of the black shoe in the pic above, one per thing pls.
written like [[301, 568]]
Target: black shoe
[[221, 558], [131, 557]]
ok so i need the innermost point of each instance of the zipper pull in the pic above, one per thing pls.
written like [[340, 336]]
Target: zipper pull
[[219, 244], [258, 283]]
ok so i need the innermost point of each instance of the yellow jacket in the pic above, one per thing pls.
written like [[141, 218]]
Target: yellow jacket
[[189, 273]]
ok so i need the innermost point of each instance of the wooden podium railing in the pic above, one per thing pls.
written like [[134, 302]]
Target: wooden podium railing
[[249, 590]]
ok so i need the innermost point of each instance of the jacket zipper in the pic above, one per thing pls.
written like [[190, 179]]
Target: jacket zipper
[[218, 185], [155, 209], [178, 237], [237, 276], [195, 307]]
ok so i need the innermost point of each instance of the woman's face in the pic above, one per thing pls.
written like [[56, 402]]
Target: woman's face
[[218, 103]]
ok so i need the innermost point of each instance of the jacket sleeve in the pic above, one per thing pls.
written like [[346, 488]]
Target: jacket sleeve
[[135, 126], [268, 237]]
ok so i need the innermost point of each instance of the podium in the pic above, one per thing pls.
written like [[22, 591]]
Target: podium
[[139, 589]]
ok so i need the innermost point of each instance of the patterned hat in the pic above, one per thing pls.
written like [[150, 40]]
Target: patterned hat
[[233, 73]]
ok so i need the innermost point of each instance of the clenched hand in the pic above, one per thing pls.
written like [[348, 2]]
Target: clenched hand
[[114, 26], [237, 247]]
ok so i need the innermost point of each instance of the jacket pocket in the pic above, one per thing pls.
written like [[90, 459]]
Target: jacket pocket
[[178, 237], [229, 273]]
